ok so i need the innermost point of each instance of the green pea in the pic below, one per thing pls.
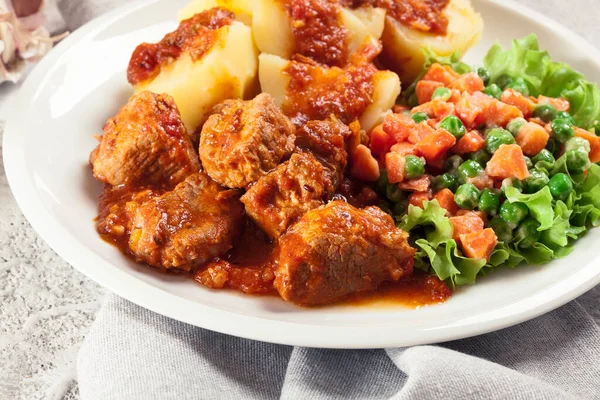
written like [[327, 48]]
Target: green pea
[[504, 80], [536, 181], [467, 196], [445, 181], [453, 125], [545, 112], [577, 143], [441, 93], [578, 160], [414, 167], [553, 145], [493, 90], [489, 201], [513, 213], [543, 155], [484, 74], [566, 116], [514, 125], [527, 233], [502, 229], [452, 163], [480, 156], [420, 117], [382, 182], [519, 85], [511, 182], [413, 100], [496, 137], [562, 129], [560, 186], [393, 192], [528, 162], [469, 169]]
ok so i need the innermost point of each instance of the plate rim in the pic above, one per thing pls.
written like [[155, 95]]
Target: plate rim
[[267, 330]]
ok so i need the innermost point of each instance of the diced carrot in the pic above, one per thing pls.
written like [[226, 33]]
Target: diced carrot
[[497, 113], [441, 73], [481, 181], [539, 122], [469, 82], [445, 199], [438, 164], [465, 224], [398, 108], [471, 142], [364, 165], [425, 89], [404, 148], [507, 162], [398, 126], [559, 103], [416, 185], [594, 143], [394, 164], [437, 108], [532, 138], [417, 198], [478, 214], [423, 129], [379, 141], [514, 98], [479, 244], [467, 110], [434, 146]]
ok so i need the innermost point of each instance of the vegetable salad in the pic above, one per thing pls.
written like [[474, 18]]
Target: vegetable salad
[[494, 165]]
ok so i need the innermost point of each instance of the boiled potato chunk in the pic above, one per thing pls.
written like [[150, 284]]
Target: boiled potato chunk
[[386, 88], [272, 27], [403, 46], [241, 8], [272, 77], [227, 70]]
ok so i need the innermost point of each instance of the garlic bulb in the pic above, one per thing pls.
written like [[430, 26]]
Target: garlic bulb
[[22, 40]]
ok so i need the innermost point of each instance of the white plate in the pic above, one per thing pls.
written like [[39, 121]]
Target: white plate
[[81, 83]]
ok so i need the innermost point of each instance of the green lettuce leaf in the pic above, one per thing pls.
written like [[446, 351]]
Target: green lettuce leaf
[[558, 234], [524, 59], [449, 265], [432, 217], [539, 204], [543, 76]]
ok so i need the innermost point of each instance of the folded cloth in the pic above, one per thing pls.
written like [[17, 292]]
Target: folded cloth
[[133, 353]]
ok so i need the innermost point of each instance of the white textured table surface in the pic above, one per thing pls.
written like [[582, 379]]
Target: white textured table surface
[[46, 306]]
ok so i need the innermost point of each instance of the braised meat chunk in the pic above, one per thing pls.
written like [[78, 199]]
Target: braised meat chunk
[[285, 194], [243, 140], [328, 140], [145, 144], [186, 227], [336, 250]]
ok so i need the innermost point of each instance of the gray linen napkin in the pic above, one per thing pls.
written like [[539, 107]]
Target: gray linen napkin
[[132, 353]]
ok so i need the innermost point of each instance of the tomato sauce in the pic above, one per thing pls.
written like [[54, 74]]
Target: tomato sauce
[[195, 35], [422, 15], [418, 290], [318, 32], [315, 93]]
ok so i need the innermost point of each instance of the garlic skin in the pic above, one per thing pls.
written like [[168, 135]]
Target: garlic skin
[[22, 40]]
